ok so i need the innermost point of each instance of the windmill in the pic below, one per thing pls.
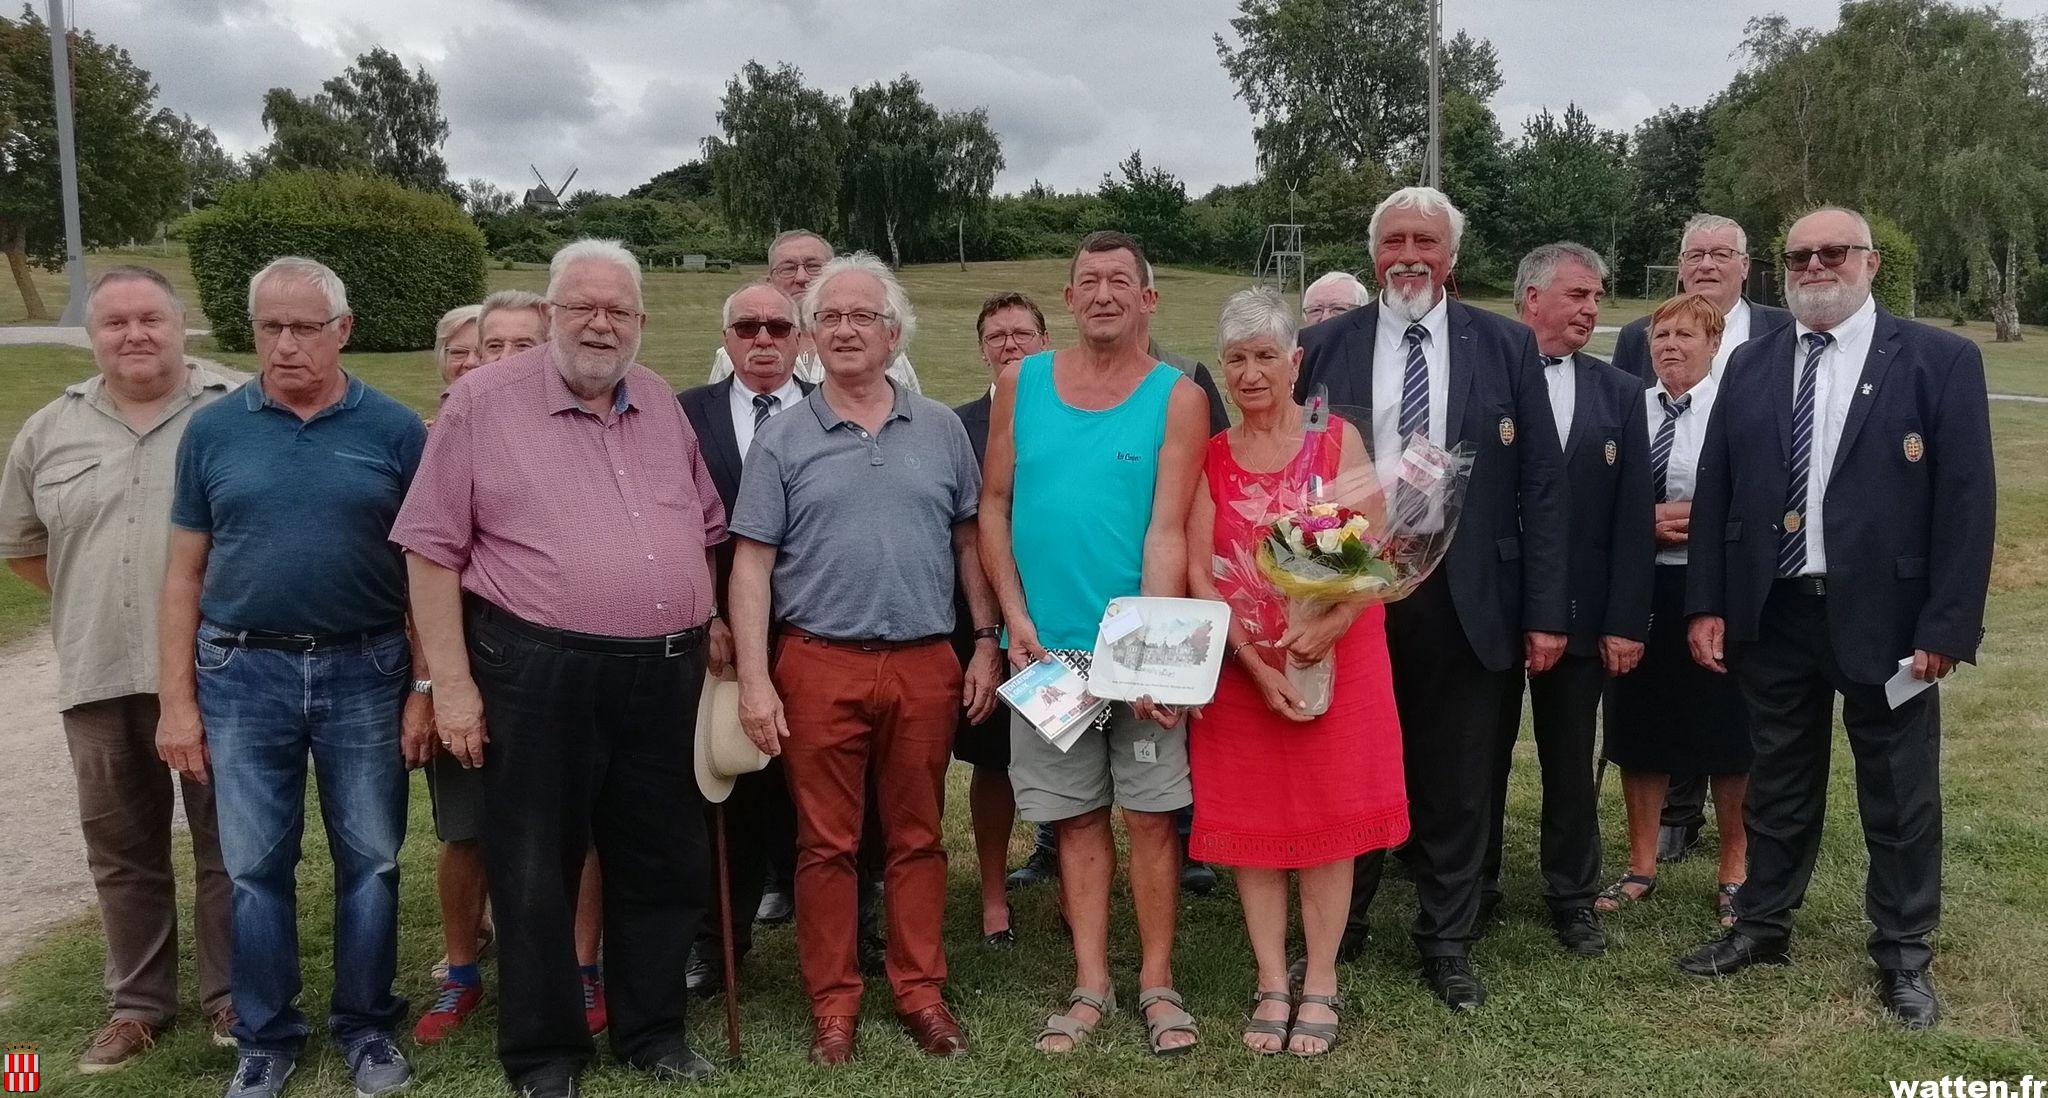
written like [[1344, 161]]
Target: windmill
[[546, 199]]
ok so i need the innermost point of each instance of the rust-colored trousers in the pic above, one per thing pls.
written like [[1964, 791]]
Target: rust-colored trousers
[[851, 708]]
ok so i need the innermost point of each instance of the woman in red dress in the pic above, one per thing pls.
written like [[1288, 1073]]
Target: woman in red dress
[[1277, 790]]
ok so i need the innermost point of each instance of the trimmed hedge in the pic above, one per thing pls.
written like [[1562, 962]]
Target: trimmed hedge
[[1896, 275], [406, 256]]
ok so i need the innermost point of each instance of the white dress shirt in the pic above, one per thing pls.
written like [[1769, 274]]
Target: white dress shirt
[[1681, 472], [1562, 380], [1734, 333], [1390, 367], [1834, 389], [742, 405], [812, 372]]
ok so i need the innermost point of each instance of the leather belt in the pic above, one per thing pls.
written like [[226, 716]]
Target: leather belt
[[865, 645], [1809, 586], [298, 642], [668, 647]]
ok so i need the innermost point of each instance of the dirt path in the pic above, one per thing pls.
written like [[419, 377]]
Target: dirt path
[[43, 878]]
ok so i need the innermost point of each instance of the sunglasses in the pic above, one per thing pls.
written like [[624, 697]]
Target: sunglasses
[[1832, 256], [749, 329]]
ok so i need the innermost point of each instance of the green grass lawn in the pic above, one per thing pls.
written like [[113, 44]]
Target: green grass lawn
[[1625, 1024]]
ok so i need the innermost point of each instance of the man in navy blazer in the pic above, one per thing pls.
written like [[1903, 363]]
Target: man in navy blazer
[[1613, 553], [1417, 362], [1713, 259], [760, 339], [1843, 525]]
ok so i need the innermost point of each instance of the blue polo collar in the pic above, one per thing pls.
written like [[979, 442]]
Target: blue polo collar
[[829, 419], [255, 399]]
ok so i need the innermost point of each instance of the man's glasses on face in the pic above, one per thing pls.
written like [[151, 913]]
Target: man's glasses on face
[[1020, 336], [751, 329], [1315, 314], [584, 314], [789, 267], [1831, 255], [303, 331], [1718, 255], [859, 318]]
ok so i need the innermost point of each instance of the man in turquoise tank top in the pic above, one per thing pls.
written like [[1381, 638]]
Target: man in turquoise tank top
[[1092, 459]]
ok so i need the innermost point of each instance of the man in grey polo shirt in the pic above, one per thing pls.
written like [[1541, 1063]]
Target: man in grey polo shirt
[[856, 514], [84, 505]]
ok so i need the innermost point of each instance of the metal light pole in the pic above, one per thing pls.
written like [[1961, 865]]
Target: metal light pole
[[67, 161], [1433, 166]]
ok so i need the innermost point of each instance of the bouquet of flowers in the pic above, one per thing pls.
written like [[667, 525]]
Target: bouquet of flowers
[[1327, 542]]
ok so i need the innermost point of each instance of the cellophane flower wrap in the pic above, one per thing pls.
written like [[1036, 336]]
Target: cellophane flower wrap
[[1324, 542]]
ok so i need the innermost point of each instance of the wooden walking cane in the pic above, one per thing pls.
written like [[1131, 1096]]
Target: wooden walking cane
[[732, 977]]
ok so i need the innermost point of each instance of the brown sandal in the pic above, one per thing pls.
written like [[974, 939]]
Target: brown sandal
[[1268, 1027], [1615, 896]]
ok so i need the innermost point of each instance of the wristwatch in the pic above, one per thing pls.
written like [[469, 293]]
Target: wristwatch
[[422, 686]]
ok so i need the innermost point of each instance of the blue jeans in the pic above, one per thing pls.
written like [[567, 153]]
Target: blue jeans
[[264, 712]]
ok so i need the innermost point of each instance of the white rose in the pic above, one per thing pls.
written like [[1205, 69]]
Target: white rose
[[1329, 540], [1294, 541]]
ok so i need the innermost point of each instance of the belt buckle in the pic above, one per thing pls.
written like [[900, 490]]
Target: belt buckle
[[668, 646], [311, 641]]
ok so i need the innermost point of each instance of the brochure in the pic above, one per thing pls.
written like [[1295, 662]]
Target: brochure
[[1054, 698]]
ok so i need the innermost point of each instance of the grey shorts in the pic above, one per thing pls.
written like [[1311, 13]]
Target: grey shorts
[[1100, 769], [458, 798]]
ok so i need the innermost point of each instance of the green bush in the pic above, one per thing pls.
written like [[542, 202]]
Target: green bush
[[1896, 276], [405, 256]]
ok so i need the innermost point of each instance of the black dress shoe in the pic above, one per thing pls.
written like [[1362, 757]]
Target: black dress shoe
[[1352, 945], [777, 907], [705, 977], [1675, 844], [1451, 980], [1909, 995], [681, 1062], [1197, 879], [548, 1083], [1002, 941], [1732, 952], [1578, 931], [1041, 867]]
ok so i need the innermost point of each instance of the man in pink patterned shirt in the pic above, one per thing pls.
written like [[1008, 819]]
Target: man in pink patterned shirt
[[558, 539]]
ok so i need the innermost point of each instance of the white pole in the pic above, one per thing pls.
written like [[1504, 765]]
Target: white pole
[[67, 159]]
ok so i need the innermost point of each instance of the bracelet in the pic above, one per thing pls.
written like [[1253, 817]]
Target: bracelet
[[988, 632], [1236, 648]]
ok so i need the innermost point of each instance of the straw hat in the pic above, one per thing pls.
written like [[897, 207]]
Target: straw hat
[[723, 751]]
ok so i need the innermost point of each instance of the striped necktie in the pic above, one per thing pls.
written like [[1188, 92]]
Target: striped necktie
[[1660, 449], [1792, 532], [764, 406], [1410, 505]]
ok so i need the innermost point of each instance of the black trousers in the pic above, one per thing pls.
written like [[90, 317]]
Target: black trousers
[[1565, 702], [1685, 803], [1452, 713], [589, 747], [1789, 678]]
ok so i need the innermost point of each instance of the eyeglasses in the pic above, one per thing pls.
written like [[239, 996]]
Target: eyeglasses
[[790, 267], [302, 331], [584, 314], [1021, 335], [1831, 256], [750, 329], [1323, 312], [1718, 255], [859, 318]]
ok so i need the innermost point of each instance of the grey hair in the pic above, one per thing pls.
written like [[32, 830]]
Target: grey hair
[[511, 299], [788, 235], [593, 250], [1862, 222], [1539, 267], [1252, 313], [451, 322], [128, 272], [902, 319], [311, 272], [725, 313], [1710, 223], [1427, 199], [1359, 294]]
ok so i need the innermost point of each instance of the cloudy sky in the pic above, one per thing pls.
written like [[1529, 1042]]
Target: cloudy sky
[[623, 89]]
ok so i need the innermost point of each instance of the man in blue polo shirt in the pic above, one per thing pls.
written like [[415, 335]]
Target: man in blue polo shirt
[[282, 636]]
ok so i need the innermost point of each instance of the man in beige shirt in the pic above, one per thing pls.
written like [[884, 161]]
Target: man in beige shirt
[[85, 516]]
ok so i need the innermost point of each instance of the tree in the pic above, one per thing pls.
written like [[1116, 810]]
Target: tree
[[1475, 176], [688, 182], [1996, 200], [889, 182], [481, 199], [1667, 162], [1150, 204], [1344, 77], [777, 165], [130, 178], [306, 134], [400, 114], [207, 167], [1567, 181], [970, 156]]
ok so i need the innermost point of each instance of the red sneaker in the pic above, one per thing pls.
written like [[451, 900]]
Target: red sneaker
[[452, 1006], [593, 1004]]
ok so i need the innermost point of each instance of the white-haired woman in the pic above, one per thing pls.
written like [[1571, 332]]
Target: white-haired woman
[[1277, 790], [455, 342]]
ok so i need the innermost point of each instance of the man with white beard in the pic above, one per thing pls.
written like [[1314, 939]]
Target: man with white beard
[[1847, 480], [1420, 364]]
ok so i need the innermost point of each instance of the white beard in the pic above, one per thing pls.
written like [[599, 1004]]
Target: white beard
[[1409, 307], [1822, 307]]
